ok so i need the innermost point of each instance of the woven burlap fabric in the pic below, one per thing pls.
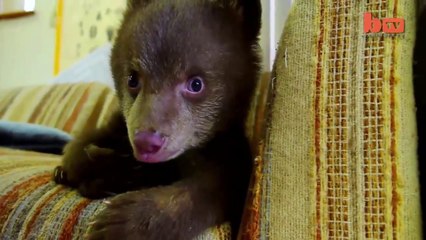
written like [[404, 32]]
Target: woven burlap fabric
[[340, 156]]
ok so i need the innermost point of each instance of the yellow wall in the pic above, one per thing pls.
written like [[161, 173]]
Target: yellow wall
[[27, 47], [27, 44]]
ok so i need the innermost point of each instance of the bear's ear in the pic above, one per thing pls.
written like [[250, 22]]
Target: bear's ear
[[250, 12]]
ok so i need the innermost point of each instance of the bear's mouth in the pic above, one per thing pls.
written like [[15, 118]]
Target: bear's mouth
[[162, 155]]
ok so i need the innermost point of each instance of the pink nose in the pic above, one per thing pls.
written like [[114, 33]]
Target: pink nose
[[148, 142]]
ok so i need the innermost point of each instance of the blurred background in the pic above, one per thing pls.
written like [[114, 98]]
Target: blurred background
[[45, 41]]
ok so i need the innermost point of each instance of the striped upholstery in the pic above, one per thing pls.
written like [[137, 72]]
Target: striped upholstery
[[31, 205], [69, 107]]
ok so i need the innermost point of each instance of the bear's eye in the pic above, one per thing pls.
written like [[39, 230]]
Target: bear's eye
[[195, 84], [133, 80]]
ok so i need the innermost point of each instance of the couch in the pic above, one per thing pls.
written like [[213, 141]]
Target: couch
[[333, 130]]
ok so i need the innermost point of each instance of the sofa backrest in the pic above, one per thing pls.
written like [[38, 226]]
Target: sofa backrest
[[339, 160], [73, 108]]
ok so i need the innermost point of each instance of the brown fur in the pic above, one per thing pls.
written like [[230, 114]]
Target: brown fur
[[162, 43]]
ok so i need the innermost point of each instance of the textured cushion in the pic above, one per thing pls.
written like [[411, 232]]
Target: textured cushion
[[33, 206], [72, 108], [340, 156]]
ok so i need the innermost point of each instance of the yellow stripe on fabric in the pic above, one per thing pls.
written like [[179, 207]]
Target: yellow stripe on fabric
[[15, 160], [77, 111], [48, 104], [17, 175], [57, 108], [64, 204], [72, 226], [41, 104], [62, 109], [6, 99], [37, 209], [53, 107], [17, 165], [22, 107], [68, 104], [24, 104], [11, 198], [11, 151], [92, 110], [7, 166], [110, 104]]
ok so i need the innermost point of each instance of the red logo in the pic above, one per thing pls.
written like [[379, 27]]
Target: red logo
[[387, 25]]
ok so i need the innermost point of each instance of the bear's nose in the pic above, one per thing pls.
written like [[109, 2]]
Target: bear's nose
[[148, 141]]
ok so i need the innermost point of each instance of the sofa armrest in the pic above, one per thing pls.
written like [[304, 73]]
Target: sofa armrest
[[33, 206]]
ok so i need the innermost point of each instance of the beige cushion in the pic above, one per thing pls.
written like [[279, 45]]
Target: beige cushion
[[73, 108], [340, 158]]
